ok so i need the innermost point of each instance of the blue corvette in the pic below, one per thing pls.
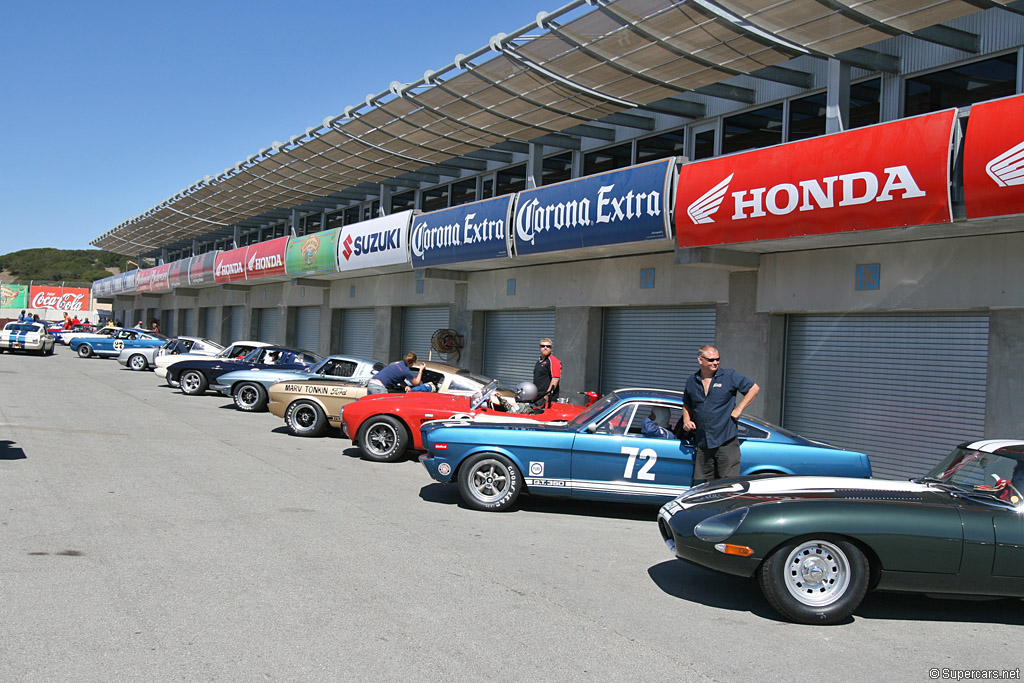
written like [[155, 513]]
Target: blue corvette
[[601, 455], [111, 346], [249, 387]]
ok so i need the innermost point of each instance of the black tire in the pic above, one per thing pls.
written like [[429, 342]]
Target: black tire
[[816, 580], [249, 396], [192, 382], [84, 351], [489, 481], [383, 438], [305, 418], [137, 362], [50, 351]]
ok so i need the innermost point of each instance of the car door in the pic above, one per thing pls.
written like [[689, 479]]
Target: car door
[[612, 460]]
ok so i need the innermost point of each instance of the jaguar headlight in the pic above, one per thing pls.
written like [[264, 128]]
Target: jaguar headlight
[[720, 527]]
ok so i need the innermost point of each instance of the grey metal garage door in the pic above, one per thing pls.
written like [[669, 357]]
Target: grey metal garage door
[[510, 343], [236, 327], [307, 328], [209, 319], [902, 388], [418, 325], [188, 321], [653, 347], [266, 330], [166, 323], [357, 332]]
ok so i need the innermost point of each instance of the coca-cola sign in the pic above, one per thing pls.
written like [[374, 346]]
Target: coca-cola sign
[[890, 175], [59, 298]]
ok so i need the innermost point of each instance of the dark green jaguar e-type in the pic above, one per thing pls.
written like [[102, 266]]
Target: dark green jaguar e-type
[[818, 544]]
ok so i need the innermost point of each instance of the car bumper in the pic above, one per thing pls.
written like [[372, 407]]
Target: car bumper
[[222, 388], [439, 469]]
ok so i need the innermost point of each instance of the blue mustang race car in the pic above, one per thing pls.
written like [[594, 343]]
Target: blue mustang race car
[[601, 454], [249, 387], [26, 336], [112, 346]]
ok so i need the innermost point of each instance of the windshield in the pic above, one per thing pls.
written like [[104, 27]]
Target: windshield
[[593, 411], [969, 469]]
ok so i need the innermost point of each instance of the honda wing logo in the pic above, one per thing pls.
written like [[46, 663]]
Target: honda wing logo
[[1008, 168], [708, 203]]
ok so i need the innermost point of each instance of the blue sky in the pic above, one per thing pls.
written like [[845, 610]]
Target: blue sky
[[107, 108]]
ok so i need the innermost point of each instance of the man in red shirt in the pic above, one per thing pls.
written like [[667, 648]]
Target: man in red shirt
[[546, 373]]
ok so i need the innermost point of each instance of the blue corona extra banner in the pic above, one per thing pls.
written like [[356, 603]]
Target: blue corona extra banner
[[469, 232], [626, 205]]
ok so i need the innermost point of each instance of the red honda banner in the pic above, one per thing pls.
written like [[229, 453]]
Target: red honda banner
[[57, 298], [230, 266], [265, 259], [994, 159], [885, 176]]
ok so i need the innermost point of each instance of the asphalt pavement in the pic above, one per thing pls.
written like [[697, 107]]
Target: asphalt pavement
[[152, 536]]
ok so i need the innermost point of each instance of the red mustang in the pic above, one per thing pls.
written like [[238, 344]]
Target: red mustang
[[383, 426]]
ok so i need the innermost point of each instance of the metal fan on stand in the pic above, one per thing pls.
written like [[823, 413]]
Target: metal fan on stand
[[446, 342]]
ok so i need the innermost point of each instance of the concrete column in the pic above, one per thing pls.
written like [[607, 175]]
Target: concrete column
[[752, 343], [578, 346], [387, 333], [285, 326], [473, 352], [461, 319], [1005, 374], [334, 319]]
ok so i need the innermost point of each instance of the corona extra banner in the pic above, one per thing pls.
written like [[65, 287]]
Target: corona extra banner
[[312, 253], [885, 176], [468, 232], [617, 207], [994, 159], [57, 298], [13, 296], [265, 259], [374, 243]]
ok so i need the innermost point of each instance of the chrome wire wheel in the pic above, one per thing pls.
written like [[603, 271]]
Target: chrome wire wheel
[[490, 480], [817, 573]]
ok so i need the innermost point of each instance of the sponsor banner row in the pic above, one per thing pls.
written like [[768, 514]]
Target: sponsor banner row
[[50, 297]]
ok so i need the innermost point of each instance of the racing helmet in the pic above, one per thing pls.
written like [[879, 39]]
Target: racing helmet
[[661, 415], [526, 391]]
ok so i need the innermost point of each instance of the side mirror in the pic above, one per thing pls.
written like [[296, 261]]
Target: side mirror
[[592, 427]]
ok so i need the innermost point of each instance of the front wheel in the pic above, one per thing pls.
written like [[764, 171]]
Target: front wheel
[[137, 362], [192, 382], [250, 396], [84, 351], [305, 418], [489, 481], [815, 581], [383, 438]]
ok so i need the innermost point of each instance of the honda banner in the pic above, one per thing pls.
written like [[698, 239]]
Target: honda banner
[[265, 259], [230, 266], [374, 243], [57, 298], [468, 232], [13, 296], [994, 159], [627, 205], [312, 253], [885, 176]]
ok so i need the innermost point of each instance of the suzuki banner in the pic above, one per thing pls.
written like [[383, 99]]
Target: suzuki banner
[[468, 232], [230, 266], [265, 259], [57, 298], [313, 253], [374, 243], [200, 268], [13, 296], [994, 159], [884, 176], [627, 205]]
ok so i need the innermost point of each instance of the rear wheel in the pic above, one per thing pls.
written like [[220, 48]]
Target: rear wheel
[[192, 382], [383, 438], [137, 361], [489, 481], [815, 581], [305, 418], [84, 351], [250, 396]]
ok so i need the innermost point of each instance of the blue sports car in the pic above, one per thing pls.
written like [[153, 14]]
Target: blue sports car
[[112, 346], [601, 454], [249, 387]]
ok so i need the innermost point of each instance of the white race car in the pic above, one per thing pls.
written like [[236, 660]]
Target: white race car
[[29, 337], [203, 348]]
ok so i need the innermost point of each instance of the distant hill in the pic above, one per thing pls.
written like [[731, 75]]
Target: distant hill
[[59, 265]]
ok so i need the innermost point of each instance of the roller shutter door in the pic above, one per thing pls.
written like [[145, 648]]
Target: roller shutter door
[[307, 328], [167, 323], [267, 328], [357, 332], [209, 323], [653, 347], [188, 322], [418, 326], [902, 388], [236, 320], [510, 344]]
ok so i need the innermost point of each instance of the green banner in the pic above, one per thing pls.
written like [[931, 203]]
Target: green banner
[[312, 253], [13, 296]]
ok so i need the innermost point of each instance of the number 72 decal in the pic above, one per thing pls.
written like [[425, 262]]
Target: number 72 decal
[[647, 454]]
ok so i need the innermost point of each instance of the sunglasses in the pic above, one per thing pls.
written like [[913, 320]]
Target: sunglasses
[[545, 346], [711, 360]]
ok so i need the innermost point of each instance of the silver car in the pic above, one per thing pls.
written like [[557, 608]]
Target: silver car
[[143, 359]]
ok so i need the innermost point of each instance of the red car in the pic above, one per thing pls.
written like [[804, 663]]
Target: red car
[[384, 426]]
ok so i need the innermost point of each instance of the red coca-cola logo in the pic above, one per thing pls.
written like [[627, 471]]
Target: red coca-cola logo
[[58, 302]]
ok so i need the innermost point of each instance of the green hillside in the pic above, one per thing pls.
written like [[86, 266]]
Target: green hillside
[[59, 265]]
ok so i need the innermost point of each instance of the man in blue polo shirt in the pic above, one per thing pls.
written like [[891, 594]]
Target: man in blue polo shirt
[[709, 407], [398, 378]]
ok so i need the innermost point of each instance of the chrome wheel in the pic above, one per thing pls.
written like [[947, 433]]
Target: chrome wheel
[[817, 573], [305, 418], [192, 382], [137, 362], [249, 397], [490, 481]]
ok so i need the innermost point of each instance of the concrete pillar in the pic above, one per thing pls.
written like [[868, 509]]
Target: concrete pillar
[[1003, 417], [461, 319], [387, 333], [578, 346]]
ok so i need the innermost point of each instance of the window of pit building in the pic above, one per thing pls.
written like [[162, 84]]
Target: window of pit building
[[866, 103], [403, 201], [556, 169], [752, 129], [608, 159], [435, 198], [511, 180], [312, 223], [670, 144], [335, 219], [960, 86], [463, 192], [352, 215], [488, 186]]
